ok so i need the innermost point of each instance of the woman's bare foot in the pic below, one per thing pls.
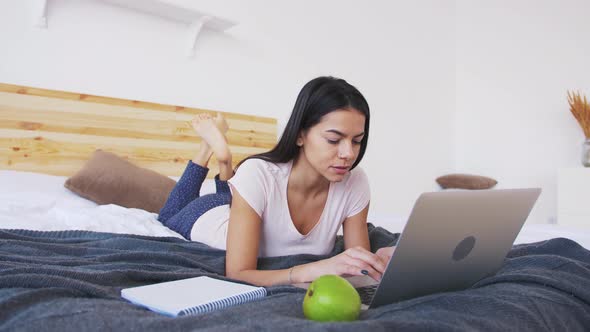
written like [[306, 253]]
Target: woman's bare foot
[[221, 123], [206, 127], [202, 157]]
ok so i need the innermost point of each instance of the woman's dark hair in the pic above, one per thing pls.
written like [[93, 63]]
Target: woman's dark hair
[[317, 98]]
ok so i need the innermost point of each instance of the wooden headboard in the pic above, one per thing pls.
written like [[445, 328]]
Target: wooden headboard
[[56, 132]]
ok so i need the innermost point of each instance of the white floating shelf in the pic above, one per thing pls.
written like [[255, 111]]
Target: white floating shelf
[[168, 10], [195, 20], [40, 13]]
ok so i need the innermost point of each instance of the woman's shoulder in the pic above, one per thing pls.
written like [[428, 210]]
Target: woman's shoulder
[[264, 166], [356, 179], [357, 174], [354, 188]]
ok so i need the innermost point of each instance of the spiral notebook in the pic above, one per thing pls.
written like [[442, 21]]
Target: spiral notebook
[[192, 296]]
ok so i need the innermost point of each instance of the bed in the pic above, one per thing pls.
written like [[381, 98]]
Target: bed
[[64, 258]]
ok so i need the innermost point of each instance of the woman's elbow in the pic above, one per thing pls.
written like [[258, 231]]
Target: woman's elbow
[[237, 274], [232, 274]]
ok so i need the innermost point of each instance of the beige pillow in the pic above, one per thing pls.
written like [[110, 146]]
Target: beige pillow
[[109, 179], [465, 181]]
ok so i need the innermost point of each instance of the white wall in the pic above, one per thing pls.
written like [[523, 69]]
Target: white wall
[[515, 62], [454, 86], [399, 54]]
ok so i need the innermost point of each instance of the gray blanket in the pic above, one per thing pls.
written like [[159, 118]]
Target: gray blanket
[[71, 281]]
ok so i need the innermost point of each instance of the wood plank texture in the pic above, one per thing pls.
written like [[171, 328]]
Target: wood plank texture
[[55, 132]]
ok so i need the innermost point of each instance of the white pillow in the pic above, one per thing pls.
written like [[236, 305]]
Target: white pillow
[[38, 188], [30, 188], [41, 202]]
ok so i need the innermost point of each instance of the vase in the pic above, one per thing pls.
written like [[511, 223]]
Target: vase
[[586, 153]]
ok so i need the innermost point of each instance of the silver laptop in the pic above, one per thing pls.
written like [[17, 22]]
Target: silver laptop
[[451, 240]]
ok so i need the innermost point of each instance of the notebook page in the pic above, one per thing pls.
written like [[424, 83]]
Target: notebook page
[[174, 296]]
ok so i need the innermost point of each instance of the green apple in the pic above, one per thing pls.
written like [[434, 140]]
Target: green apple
[[331, 298]]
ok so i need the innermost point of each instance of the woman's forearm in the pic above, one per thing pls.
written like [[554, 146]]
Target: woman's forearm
[[353, 261], [296, 274]]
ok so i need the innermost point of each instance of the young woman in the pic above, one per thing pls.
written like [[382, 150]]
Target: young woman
[[290, 200]]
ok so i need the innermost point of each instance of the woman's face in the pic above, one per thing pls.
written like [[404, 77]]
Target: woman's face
[[332, 146]]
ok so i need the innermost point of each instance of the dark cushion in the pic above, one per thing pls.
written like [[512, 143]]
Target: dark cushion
[[465, 181]]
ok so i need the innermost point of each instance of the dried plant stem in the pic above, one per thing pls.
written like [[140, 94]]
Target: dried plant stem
[[581, 111]]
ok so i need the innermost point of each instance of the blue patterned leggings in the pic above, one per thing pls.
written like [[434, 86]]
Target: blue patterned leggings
[[185, 205]]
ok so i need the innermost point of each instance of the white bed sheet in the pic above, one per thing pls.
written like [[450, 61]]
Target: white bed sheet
[[106, 218], [41, 202]]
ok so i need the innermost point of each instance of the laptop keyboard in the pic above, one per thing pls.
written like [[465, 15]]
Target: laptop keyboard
[[367, 293]]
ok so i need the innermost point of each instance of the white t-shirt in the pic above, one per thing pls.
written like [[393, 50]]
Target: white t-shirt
[[264, 187]]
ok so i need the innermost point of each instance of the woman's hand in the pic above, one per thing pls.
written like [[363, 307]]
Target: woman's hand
[[385, 254], [353, 261]]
